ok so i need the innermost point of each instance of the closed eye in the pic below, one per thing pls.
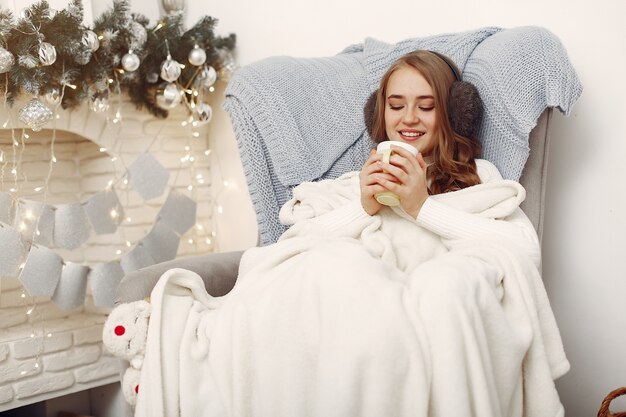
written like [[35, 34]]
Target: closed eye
[[421, 108]]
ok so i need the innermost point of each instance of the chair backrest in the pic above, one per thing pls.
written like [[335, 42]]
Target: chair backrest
[[534, 174]]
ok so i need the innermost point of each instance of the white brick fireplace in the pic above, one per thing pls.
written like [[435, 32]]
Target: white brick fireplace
[[46, 352]]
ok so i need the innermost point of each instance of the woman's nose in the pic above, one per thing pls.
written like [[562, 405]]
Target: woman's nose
[[411, 116]]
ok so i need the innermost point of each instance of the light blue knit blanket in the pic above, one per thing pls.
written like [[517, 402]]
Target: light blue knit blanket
[[301, 119]]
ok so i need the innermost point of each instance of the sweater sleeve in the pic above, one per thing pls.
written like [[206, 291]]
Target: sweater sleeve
[[346, 214], [452, 224]]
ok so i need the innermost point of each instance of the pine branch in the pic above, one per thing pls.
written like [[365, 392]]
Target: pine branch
[[118, 31], [6, 23]]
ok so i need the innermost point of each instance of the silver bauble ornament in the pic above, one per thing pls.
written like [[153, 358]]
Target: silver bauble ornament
[[197, 56], [138, 35], [47, 54], [99, 103], [202, 114], [53, 96], [208, 76], [130, 61], [152, 77], [6, 61], [168, 96], [229, 65], [170, 69], [83, 57], [90, 40], [35, 114], [173, 6]]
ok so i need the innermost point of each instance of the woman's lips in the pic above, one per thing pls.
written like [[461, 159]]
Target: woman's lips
[[410, 135]]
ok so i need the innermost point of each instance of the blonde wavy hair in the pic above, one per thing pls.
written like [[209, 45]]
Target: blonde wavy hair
[[454, 165]]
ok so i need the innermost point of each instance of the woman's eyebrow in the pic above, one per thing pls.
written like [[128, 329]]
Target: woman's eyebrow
[[401, 96]]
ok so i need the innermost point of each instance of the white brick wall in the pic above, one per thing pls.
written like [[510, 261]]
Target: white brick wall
[[44, 384], [29, 348], [72, 357], [70, 360], [4, 352]]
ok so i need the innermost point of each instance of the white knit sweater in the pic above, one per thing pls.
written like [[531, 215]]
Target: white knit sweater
[[450, 223]]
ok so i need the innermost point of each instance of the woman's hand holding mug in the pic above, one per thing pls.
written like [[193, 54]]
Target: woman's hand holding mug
[[394, 175]]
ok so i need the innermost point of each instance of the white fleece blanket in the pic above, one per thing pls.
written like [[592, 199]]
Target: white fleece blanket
[[373, 316]]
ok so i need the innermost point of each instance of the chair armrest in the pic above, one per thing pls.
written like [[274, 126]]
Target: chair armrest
[[218, 271]]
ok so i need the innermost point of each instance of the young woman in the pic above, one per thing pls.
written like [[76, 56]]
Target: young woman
[[413, 106]]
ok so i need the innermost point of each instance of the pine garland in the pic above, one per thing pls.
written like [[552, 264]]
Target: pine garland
[[81, 74]]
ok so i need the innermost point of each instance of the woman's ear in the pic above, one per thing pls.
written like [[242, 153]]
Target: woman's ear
[[369, 112], [465, 109]]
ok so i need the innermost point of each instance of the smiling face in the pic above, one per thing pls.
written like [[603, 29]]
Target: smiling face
[[410, 113]]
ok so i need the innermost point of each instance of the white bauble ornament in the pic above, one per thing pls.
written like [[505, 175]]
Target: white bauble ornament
[[35, 114], [130, 61], [173, 6], [90, 40], [6, 61], [83, 57], [47, 54], [202, 114], [53, 96], [197, 56], [208, 76], [138, 35], [99, 104], [168, 96], [229, 65], [170, 69]]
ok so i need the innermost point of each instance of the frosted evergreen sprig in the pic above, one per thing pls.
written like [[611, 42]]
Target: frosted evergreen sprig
[[119, 31]]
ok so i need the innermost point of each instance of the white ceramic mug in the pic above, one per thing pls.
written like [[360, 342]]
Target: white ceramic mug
[[388, 198]]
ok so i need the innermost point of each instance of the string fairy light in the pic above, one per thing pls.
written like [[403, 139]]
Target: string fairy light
[[35, 320], [30, 216], [190, 160]]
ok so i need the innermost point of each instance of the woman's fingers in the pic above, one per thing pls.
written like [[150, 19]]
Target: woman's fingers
[[403, 167], [402, 174], [402, 151], [389, 185], [421, 162], [376, 188], [408, 156], [373, 179]]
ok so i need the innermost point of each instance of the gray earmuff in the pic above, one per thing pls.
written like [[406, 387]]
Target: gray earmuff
[[465, 107]]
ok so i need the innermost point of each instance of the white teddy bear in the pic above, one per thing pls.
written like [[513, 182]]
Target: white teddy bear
[[124, 335]]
